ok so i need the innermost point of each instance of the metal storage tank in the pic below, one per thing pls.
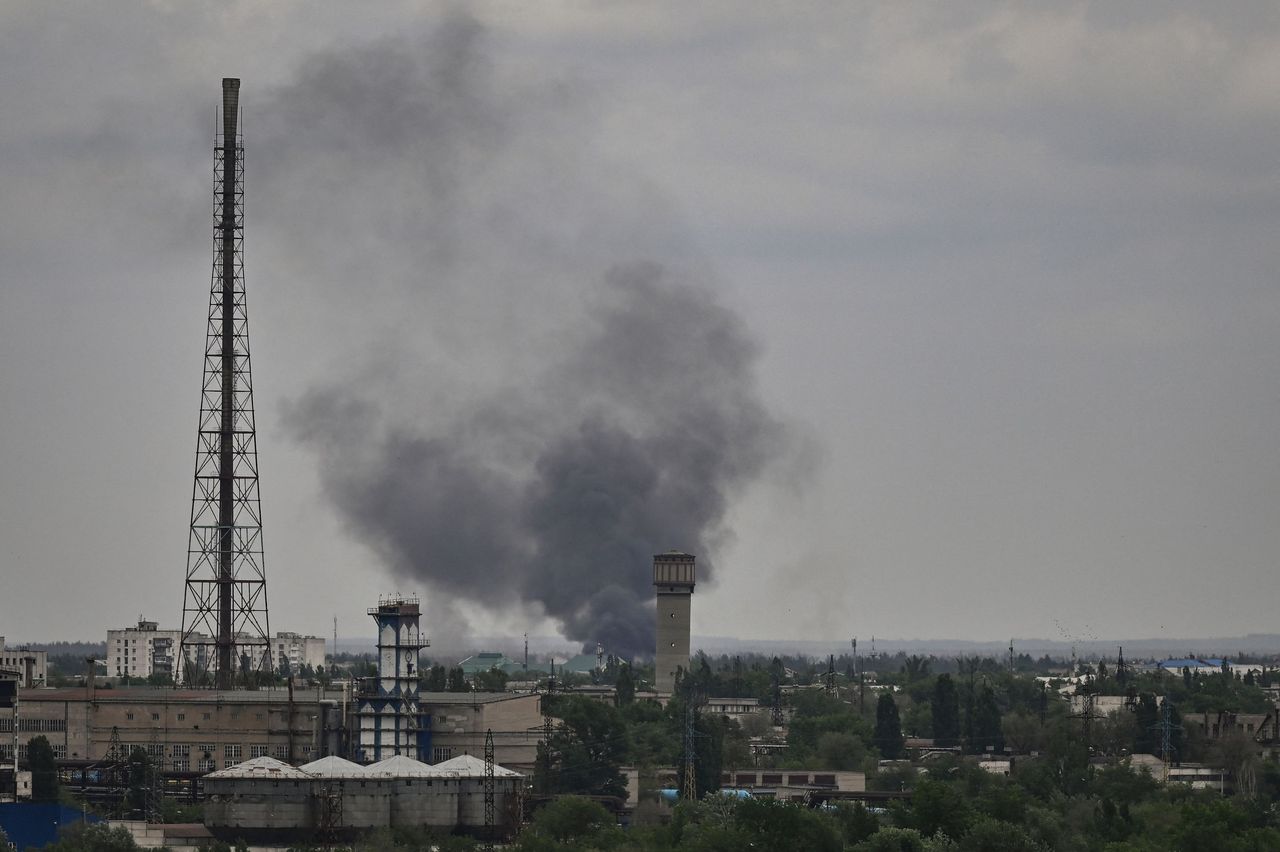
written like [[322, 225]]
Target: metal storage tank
[[419, 794], [467, 772], [346, 795], [262, 795]]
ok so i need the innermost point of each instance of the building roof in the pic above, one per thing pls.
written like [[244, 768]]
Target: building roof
[[261, 767], [333, 767], [399, 766], [485, 661], [469, 766], [459, 698], [1191, 663], [163, 695], [581, 664]]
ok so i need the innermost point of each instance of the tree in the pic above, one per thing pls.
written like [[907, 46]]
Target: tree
[[892, 840], [436, 679], [915, 668], [986, 722], [585, 750], [625, 685], [457, 680], [946, 712], [83, 837], [572, 818], [888, 737], [44, 770], [494, 680], [785, 827], [841, 751]]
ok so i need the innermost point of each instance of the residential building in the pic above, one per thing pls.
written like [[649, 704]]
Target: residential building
[[143, 650], [292, 651]]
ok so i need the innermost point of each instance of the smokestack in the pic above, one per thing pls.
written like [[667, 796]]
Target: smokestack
[[673, 579]]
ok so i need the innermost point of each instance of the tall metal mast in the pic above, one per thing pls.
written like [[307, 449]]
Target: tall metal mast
[[224, 615]]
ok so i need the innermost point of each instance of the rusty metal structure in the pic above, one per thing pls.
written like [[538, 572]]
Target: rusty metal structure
[[224, 616]]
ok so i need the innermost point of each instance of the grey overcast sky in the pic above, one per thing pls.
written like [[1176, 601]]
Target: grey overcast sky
[[992, 285]]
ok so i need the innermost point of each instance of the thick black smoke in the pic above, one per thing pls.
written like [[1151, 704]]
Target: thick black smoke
[[593, 404]]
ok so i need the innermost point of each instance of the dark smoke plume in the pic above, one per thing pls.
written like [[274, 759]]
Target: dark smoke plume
[[538, 411]]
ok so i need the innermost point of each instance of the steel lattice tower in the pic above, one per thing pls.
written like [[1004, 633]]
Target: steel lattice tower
[[224, 613]]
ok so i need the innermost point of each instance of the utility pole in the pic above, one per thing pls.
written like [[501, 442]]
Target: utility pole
[[862, 687], [489, 790], [689, 775], [1011, 666]]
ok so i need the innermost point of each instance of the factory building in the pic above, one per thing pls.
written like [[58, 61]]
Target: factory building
[[389, 720], [189, 731], [673, 580], [265, 799], [199, 731], [31, 668]]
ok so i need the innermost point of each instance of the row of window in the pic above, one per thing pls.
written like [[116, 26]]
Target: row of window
[[6, 751], [33, 725]]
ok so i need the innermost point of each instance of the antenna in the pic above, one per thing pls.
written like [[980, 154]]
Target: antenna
[[224, 611]]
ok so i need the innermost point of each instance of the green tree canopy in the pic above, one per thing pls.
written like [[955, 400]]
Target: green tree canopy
[[888, 736], [945, 709]]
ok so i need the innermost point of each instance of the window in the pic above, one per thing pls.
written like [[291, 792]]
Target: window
[[257, 751], [182, 717], [129, 716], [155, 717], [205, 750], [280, 752], [155, 751], [37, 725], [181, 765], [439, 754], [207, 765], [231, 752], [207, 717], [181, 750]]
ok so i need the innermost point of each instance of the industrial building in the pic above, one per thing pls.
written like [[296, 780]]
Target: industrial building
[[199, 731], [673, 581], [389, 718], [190, 731], [265, 799], [31, 668]]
